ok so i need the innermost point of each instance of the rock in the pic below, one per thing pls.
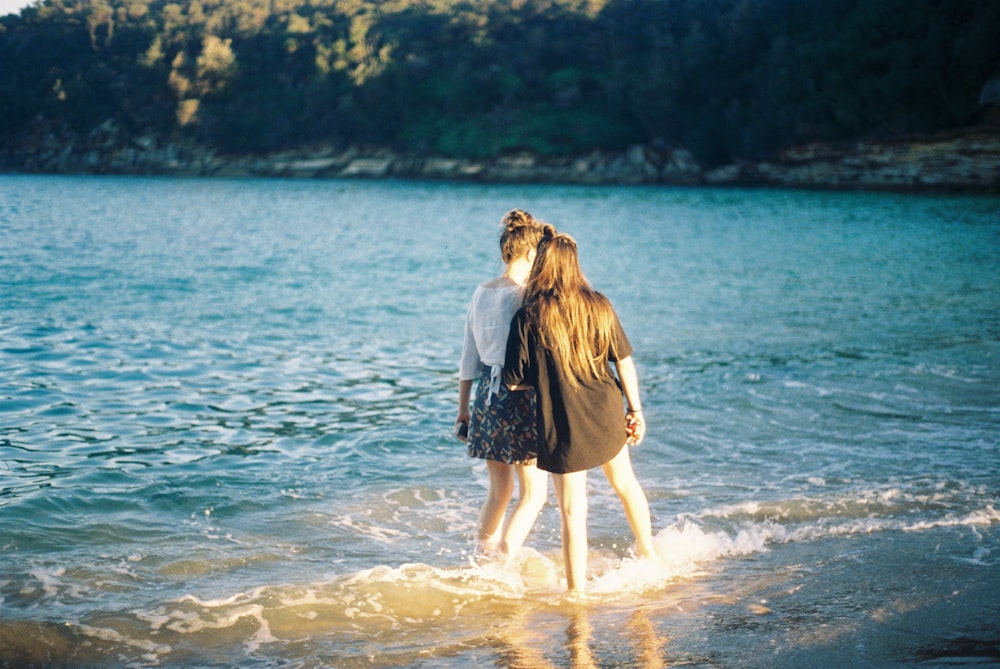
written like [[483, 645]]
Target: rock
[[680, 167], [443, 168], [990, 94], [145, 142], [965, 161], [367, 167], [725, 175], [306, 167], [632, 167]]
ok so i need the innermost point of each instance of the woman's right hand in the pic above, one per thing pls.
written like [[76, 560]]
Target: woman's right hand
[[461, 428], [635, 428]]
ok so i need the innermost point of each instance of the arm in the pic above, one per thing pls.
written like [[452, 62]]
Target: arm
[[464, 396], [518, 363], [630, 386], [468, 367], [462, 420], [630, 382]]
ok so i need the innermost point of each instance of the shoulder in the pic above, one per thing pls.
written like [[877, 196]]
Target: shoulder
[[483, 290], [500, 292], [497, 283], [602, 305]]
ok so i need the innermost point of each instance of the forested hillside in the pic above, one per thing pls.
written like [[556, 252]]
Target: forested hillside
[[724, 79]]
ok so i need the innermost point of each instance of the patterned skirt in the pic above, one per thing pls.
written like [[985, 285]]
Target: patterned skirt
[[503, 425]]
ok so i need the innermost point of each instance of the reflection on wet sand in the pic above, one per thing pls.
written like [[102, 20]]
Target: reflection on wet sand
[[578, 636], [519, 643], [525, 640], [649, 644]]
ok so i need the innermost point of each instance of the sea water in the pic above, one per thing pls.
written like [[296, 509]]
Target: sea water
[[226, 410]]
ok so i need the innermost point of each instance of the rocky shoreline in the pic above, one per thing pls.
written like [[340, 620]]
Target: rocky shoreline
[[967, 161]]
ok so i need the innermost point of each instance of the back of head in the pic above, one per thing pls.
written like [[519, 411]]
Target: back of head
[[574, 321], [557, 267], [521, 233]]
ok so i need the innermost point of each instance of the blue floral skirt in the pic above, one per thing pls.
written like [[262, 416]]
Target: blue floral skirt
[[505, 429]]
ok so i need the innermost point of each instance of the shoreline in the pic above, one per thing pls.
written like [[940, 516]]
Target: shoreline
[[966, 161]]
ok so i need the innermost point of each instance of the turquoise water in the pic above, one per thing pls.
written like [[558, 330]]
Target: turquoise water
[[225, 413]]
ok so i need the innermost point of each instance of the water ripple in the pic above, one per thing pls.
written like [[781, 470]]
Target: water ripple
[[210, 389]]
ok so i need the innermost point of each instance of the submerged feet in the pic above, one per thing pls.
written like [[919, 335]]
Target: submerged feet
[[641, 567], [485, 552], [649, 555]]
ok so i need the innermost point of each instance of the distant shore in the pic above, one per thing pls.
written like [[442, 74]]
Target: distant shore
[[963, 161]]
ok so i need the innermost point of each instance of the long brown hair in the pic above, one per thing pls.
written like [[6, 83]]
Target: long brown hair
[[574, 321]]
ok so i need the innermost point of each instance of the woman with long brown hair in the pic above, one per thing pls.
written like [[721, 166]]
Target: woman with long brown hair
[[562, 343]]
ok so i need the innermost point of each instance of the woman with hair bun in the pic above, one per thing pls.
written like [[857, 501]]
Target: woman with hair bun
[[501, 428], [562, 344]]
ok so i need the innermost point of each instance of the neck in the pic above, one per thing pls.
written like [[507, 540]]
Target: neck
[[518, 271]]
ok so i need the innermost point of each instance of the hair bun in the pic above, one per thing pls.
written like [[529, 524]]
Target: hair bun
[[517, 218]]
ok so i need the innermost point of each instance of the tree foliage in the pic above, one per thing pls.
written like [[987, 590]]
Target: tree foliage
[[726, 79]]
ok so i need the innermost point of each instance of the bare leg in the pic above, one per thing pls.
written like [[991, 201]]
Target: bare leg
[[495, 506], [534, 488], [571, 491], [621, 477]]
